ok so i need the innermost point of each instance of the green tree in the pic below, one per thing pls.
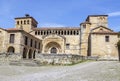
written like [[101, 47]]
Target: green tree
[[119, 34], [118, 45]]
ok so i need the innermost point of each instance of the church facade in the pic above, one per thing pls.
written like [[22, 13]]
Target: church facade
[[92, 38]]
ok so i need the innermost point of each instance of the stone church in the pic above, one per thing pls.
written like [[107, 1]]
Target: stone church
[[92, 38]]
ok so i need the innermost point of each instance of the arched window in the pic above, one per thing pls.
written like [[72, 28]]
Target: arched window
[[21, 22], [11, 49], [27, 21], [74, 32], [17, 22], [38, 32], [24, 21], [61, 32], [35, 32]]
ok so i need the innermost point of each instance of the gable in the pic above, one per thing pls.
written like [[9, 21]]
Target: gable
[[102, 30]]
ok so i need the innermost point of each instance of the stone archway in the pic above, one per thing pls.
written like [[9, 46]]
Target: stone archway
[[11, 49], [30, 54], [52, 47], [34, 55], [25, 53]]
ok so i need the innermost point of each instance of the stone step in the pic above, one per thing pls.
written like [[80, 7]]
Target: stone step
[[24, 63]]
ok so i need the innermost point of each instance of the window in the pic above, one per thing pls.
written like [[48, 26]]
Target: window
[[17, 22], [107, 39], [35, 32], [12, 38], [27, 21], [67, 46], [26, 40], [21, 22], [24, 21]]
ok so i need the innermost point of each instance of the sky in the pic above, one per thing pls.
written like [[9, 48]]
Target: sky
[[59, 13]]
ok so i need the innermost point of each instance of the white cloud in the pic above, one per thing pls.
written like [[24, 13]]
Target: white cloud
[[114, 14], [51, 25]]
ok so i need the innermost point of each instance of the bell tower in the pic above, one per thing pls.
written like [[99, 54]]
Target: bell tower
[[25, 23]]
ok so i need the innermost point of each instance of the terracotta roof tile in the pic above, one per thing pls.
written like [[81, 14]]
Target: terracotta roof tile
[[56, 28], [13, 29]]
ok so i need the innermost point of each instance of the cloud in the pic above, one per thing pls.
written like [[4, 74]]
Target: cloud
[[51, 25], [114, 14]]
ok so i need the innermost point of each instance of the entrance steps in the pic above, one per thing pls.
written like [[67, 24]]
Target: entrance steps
[[25, 62]]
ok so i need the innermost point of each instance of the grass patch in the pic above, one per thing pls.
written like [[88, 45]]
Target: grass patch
[[82, 61]]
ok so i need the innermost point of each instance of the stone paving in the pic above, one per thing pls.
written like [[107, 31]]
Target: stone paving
[[87, 71]]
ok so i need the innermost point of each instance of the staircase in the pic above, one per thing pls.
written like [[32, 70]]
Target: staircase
[[24, 62]]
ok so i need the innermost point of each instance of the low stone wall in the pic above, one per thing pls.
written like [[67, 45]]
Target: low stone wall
[[7, 57], [58, 59]]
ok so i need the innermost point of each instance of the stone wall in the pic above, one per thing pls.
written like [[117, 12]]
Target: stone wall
[[8, 57], [58, 59]]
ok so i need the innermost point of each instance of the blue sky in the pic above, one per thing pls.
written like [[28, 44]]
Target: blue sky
[[59, 12]]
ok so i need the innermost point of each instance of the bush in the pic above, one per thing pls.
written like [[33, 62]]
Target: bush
[[118, 44]]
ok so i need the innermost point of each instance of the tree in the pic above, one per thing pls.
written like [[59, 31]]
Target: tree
[[119, 34], [118, 45]]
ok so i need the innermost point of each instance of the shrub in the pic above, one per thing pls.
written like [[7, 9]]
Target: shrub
[[118, 44]]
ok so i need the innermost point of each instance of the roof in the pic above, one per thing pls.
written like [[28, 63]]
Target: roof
[[104, 32], [26, 18], [96, 15], [12, 29], [102, 27], [57, 28]]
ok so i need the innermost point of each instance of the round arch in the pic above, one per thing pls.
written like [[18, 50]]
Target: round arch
[[30, 54], [25, 53], [52, 47], [11, 49]]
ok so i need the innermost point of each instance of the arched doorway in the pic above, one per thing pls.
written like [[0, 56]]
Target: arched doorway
[[52, 47], [53, 50], [30, 54], [25, 53], [11, 49], [34, 55]]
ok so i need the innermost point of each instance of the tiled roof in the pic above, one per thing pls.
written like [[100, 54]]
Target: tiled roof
[[13, 29], [57, 28]]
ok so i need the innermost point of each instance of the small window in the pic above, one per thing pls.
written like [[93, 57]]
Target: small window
[[17, 22], [24, 21], [35, 32], [107, 38], [27, 21], [21, 22], [84, 26], [12, 38], [67, 46]]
